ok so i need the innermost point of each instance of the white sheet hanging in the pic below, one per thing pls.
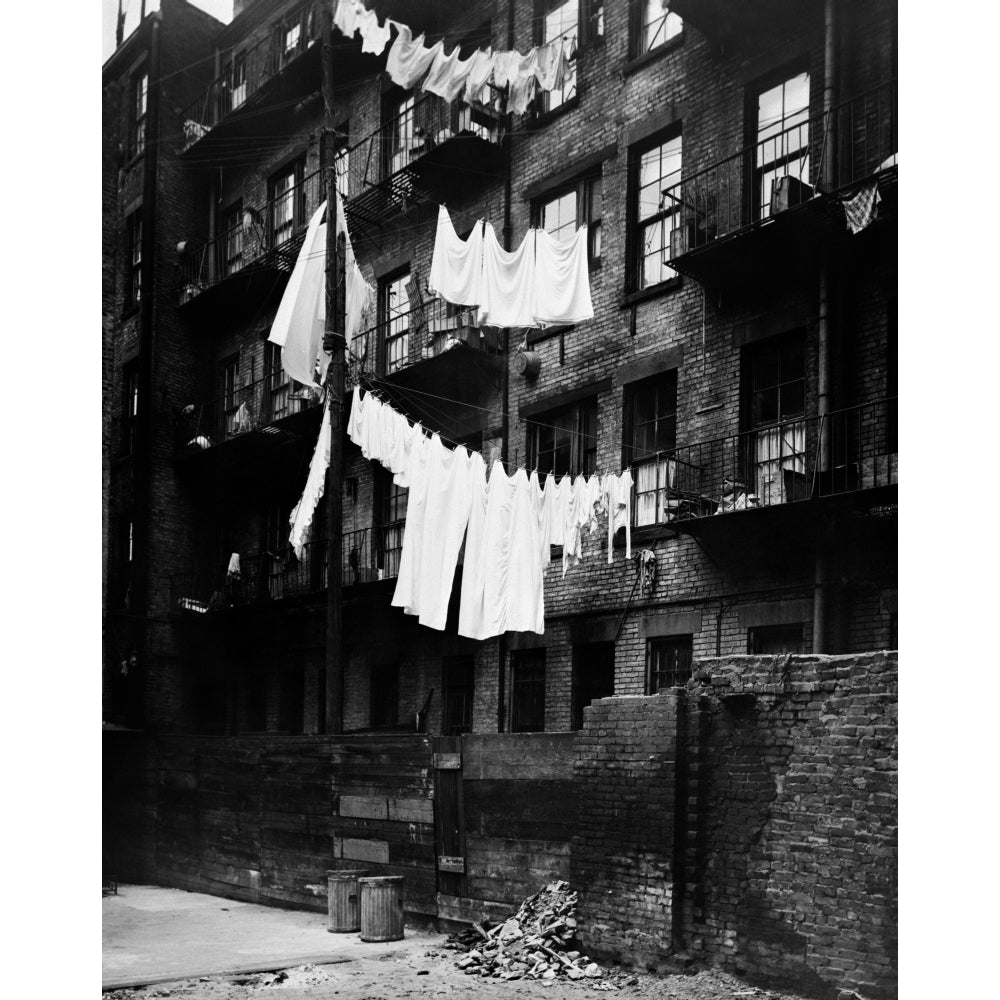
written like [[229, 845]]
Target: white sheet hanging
[[480, 71], [457, 265], [562, 279], [302, 516], [448, 74], [618, 490], [374, 36], [408, 59], [508, 294]]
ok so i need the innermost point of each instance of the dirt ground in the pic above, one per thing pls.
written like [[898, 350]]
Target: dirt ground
[[432, 973]]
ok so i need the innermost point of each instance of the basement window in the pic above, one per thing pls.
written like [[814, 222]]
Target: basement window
[[768, 639], [668, 662]]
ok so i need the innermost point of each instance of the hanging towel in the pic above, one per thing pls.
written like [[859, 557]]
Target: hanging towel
[[302, 515], [346, 16], [550, 66], [456, 265], [618, 491], [480, 71], [298, 323], [448, 75], [562, 283], [505, 67], [861, 210], [374, 36], [408, 59], [400, 460], [522, 87], [508, 292]]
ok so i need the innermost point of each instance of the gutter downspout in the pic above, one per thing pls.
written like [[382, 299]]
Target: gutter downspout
[[821, 594]]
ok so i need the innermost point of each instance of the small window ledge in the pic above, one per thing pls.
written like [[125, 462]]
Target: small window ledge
[[640, 62], [654, 291], [539, 121]]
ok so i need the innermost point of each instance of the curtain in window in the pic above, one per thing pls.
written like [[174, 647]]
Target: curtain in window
[[780, 463]]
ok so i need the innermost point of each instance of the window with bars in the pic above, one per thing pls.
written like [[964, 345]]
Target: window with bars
[[765, 639], [655, 172], [668, 662], [394, 321], [775, 401], [130, 406], [286, 203], [384, 703], [564, 442], [652, 24], [563, 213], [782, 139], [527, 691], [133, 226], [139, 116], [457, 689], [650, 439], [559, 21]]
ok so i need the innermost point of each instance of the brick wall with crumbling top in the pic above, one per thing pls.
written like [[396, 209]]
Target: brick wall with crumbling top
[[749, 820]]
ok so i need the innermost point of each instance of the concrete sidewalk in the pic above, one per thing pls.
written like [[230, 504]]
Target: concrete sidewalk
[[152, 934]]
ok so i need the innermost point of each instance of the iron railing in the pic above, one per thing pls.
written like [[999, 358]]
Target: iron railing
[[423, 124], [417, 333], [263, 236], [246, 71], [369, 554], [794, 460], [782, 171], [245, 408]]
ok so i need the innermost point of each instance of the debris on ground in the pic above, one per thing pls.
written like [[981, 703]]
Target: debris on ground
[[536, 943]]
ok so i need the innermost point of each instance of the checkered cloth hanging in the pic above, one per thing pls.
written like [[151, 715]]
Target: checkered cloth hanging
[[861, 209]]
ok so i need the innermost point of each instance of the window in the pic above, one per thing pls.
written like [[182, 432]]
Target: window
[[391, 521], [286, 203], [254, 702], [593, 676], [652, 25], [291, 698], [399, 132], [130, 406], [394, 321], [564, 442], [232, 239], [775, 639], [281, 387], [559, 22], [140, 100], [457, 682], [124, 557], [657, 212], [668, 662], [651, 436], [384, 694], [592, 13], [782, 140], [234, 83], [564, 213], [133, 226], [775, 400], [234, 411], [275, 546], [527, 691]]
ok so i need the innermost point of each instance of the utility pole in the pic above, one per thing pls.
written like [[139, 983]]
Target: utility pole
[[333, 343]]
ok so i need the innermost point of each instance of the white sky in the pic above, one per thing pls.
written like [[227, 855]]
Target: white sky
[[222, 9]]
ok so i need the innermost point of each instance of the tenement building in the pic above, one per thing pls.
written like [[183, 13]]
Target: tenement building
[[736, 167]]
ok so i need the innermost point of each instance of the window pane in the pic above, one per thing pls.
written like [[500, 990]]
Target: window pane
[[560, 22], [658, 25], [559, 216]]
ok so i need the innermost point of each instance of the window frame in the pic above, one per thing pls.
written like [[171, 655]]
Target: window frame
[[636, 26], [583, 188], [232, 236], [389, 337], [543, 106], [463, 668], [295, 192], [663, 381], [757, 632], [130, 406], [389, 515], [638, 226], [138, 117], [521, 687], [682, 645], [585, 656], [383, 695], [133, 230], [579, 463]]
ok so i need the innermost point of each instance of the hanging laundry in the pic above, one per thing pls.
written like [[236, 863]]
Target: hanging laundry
[[233, 569], [374, 36], [522, 93], [448, 75], [861, 209], [550, 66], [480, 71], [408, 59], [554, 498], [298, 324], [508, 294], [360, 296], [407, 592], [301, 517], [562, 279], [579, 514], [618, 493], [346, 15], [505, 67], [456, 265], [400, 460]]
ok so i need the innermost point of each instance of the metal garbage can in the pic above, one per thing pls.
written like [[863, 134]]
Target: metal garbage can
[[381, 908], [342, 908]]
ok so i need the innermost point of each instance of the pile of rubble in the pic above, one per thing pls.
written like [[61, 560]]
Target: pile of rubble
[[535, 943]]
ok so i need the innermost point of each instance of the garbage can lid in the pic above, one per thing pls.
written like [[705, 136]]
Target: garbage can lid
[[382, 879]]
